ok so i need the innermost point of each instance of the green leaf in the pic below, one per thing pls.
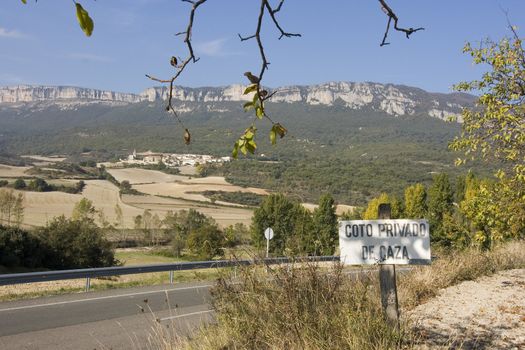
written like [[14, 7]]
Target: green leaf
[[280, 130], [248, 105], [251, 146], [259, 112], [250, 88], [243, 148], [235, 151], [86, 23], [273, 136], [24, 1]]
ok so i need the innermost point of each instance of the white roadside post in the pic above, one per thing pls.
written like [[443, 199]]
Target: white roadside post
[[385, 242], [268, 233]]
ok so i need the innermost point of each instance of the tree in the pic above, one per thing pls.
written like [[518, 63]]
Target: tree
[[125, 186], [19, 184], [206, 241], [493, 215], [7, 204], [119, 216], [18, 209], [137, 221], [416, 202], [79, 187], [236, 234], [75, 243], [326, 226], [39, 185], [279, 213], [83, 210], [146, 226], [173, 228], [493, 130], [371, 211], [103, 220], [21, 248], [440, 198], [180, 225], [304, 238], [156, 225]]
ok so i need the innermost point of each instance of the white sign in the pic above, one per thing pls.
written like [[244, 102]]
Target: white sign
[[268, 233], [388, 241]]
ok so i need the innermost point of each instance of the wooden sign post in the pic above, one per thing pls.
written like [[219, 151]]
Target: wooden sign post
[[385, 242], [387, 281]]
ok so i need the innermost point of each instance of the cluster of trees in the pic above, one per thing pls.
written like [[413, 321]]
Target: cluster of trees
[[41, 185], [160, 166], [190, 233], [296, 229], [244, 198], [61, 244], [472, 213], [11, 208]]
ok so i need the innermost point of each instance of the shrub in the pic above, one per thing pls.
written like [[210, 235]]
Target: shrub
[[39, 185], [75, 244], [297, 307], [19, 248], [206, 242], [19, 184]]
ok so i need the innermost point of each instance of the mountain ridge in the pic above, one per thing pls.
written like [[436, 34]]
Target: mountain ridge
[[395, 100]]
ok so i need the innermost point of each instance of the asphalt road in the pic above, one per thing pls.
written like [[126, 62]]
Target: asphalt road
[[137, 318]]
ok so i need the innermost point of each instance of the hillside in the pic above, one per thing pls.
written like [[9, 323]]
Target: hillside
[[339, 132]]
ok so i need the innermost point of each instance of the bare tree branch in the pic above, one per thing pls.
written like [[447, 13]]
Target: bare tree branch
[[392, 16], [262, 95], [190, 58], [265, 7]]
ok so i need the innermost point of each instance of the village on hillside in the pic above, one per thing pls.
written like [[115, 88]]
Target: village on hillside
[[171, 160]]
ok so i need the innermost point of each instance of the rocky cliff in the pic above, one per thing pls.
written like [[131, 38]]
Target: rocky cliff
[[395, 100]]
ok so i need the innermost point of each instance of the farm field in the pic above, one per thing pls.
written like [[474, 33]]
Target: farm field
[[40, 207], [143, 176], [187, 189], [13, 171], [162, 193], [45, 159], [339, 210], [224, 216]]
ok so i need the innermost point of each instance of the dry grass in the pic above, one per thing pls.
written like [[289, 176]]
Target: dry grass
[[455, 267], [40, 207], [297, 307], [190, 190], [307, 307], [141, 176], [13, 171], [340, 209]]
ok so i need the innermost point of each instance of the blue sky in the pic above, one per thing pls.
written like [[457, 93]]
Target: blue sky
[[41, 43]]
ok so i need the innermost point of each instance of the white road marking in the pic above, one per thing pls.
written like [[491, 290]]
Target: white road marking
[[102, 298], [185, 315]]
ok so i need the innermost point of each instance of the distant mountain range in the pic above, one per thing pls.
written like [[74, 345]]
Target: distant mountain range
[[394, 100], [349, 139]]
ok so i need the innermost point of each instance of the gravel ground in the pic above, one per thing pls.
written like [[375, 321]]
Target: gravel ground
[[488, 313]]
